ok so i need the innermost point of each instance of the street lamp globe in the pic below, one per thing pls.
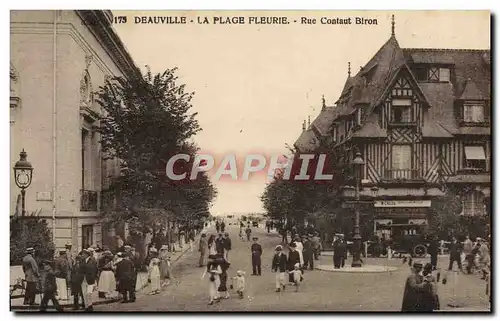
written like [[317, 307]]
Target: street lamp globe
[[23, 171], [358, 164], [374, 191], [348, 191]]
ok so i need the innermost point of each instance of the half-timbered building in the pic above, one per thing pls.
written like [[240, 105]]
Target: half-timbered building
[[421, 120]]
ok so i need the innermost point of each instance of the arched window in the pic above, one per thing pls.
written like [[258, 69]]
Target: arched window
[[473, 204]]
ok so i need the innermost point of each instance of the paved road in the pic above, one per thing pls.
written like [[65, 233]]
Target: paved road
[[321, 290]]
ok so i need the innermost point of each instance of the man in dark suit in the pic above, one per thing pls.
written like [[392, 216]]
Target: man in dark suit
[[279, 267], [256, 250], [88, 270], [227, 245], [308, 252], [220, 244], [293, 258], [455, 252], [125, 275]]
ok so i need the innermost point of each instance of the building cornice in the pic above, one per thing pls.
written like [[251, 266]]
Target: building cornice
[[99, 22]]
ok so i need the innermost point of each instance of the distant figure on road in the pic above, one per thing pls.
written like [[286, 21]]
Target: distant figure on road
[[220, 244], [307, 252], [211, 245], [248, 231], [316, 245], [339, 252], [279, 266], [227, 246], [256, 250], [217, 226], [222, 227], [433, 251]]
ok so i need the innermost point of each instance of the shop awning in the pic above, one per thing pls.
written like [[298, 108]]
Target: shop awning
[[474, 152]]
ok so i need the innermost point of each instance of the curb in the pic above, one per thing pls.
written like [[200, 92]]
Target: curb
[[65, 305]]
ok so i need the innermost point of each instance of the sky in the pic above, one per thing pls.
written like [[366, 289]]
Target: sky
[[255, 84]]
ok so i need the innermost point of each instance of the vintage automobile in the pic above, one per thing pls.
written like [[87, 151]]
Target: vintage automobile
[[408, 239]]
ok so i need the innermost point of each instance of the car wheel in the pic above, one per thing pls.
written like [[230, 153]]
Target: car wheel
[[419, 250]]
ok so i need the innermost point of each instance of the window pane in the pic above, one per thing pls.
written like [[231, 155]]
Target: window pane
[[401, 157], [478, 113], [434, 74], [444, 74], [401, 102]]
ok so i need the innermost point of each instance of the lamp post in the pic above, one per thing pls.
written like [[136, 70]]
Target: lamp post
[[358, 170], [23, 172]]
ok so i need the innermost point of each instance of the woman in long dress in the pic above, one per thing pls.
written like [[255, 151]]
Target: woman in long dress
[[107, 281], [299, 247], [211, 245], [154, 274], [213, 271], [164, 259]]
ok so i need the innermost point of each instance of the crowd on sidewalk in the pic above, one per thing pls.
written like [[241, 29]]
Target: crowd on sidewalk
[[111, 274]]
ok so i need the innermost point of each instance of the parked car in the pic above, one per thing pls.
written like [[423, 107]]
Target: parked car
[[255, 224], [408, 239]]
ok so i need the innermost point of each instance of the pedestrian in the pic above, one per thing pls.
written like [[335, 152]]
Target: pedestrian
[[227, 246], [107, 282], [239, 283], [61, 273], [125, 277], [467, 247], [297, 276], [211, 245], [241, 235], [71, 257], [433, 251], [135, 258], [316, 245], [279, 267], [455, 254], [213, 271], [414, 289], [307, 252], [248, 232], [31, 275], [88, 269], [76, 282], [164, 264], [202, 248], [300, 249], [256, 250], [222, 226], [293, 258], [217, 227], [484, 259], [224, 265], [268, 226], [49, 287], [154, 274], [220, 244], [430, 298], [342, 250]]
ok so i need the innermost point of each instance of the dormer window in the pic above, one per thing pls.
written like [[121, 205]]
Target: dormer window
[[474, 113], [401, 111], [432, 74]]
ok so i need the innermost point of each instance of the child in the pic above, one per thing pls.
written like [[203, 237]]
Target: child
[[49, 287], [297, 276], [154, 274], [239, 283], [214, 271]]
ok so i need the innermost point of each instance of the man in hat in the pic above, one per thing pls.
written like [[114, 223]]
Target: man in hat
[[70, 257], [279, 266], [61, 273], [31, 275], [316, 245], [220, 244], [293, 258], [202, 248], [49, 287], [125, 274], [415, 287], [455, 254], [227, 245], [88, 270], [307, 252], [256, 250]]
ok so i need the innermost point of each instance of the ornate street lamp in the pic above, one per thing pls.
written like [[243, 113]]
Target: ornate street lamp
[[358, 164], [23, 172]]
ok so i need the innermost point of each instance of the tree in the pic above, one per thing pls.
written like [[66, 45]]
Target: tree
[[146, 121], [444, 216], [30, 231]]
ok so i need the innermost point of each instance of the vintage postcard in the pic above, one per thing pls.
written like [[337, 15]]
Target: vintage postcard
[[250, 161]]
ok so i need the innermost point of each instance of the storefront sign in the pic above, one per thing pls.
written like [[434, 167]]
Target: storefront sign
[[409, 203]]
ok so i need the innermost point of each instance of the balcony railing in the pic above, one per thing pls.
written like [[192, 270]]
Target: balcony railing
[[402, 175], [88, 201]]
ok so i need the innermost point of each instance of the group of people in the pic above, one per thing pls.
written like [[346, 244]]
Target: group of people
[[420, 292]]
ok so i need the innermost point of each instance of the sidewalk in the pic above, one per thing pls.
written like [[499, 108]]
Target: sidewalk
[[16, 304]]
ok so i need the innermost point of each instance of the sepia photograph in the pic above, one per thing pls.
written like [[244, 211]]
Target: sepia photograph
[[250, 161]]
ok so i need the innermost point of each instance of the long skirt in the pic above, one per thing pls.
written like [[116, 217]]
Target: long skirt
[[87, 290], [223, 282], [107, 282], [164, 270], [62, 289], [154, 276], [213, 286]]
